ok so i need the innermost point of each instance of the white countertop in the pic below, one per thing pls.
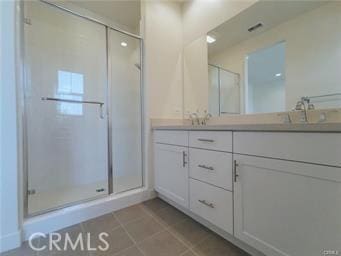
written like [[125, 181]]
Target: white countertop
[[325, 127]]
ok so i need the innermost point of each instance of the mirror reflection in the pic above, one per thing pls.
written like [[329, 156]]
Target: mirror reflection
[[223, 89], [274, 56], [265, 80]]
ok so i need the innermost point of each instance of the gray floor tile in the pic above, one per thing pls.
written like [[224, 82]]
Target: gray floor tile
[[143, 228], [162, 244], [118, 240], [170, 216], [190, 232], [131, 213], [188, 253], [215, 245], [101, 224], [142, 224], [155, 204], [132, 251]]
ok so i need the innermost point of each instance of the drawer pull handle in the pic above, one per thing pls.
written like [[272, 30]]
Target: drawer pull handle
[[206, 167], [184, 162], [206, 140], [206, 203], [235, 174]]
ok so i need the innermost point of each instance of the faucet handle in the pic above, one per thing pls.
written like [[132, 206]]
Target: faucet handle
[[194, 116], [206, 117], [299, 105]]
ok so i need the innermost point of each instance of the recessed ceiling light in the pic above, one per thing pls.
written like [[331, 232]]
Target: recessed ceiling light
[[124, 44], [210, 39], [278, 74]]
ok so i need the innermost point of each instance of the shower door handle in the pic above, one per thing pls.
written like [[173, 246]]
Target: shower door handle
[[101, 104]]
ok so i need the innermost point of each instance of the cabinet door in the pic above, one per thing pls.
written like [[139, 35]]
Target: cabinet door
[[171, 172], [287, 208]]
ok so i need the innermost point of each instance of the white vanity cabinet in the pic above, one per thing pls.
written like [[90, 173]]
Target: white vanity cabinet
[[278, 192], [171, 165], [286, 207]]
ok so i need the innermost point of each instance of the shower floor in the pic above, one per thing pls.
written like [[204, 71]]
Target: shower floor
[[52, 199]]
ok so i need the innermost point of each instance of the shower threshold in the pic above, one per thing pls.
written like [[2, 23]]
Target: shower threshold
[[44, 201]]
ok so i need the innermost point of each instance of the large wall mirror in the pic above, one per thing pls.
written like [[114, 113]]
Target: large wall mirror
[[266, 59]]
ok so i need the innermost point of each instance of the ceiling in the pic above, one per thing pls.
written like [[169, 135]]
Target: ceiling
[[269, 13], [124, 12]]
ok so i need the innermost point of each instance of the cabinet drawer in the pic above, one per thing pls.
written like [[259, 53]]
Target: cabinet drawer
[[212, 167], [211, 140], [171, 137], [320, 148], [213, 204]]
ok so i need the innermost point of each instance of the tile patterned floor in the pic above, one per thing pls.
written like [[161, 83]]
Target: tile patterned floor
[[153, 228]]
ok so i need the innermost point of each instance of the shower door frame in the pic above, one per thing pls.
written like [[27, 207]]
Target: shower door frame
[[22, 70]]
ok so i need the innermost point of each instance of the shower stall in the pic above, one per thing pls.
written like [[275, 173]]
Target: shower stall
[[83, 108]]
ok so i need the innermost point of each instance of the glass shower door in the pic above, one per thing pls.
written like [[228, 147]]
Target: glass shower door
[[125, 111], [229, 92], [65, 97]]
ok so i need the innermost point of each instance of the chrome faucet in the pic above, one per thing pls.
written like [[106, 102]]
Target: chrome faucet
[[206, 117], [309, 104], [301, 106], [194, 118]]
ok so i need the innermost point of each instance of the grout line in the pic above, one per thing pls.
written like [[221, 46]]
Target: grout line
[[126, 231], [132, 239], [169, 230], [185, 252], [193, 252], [166, 228], [135, 219], [140, 250], [125, 249], [189, 250], [153, 213]]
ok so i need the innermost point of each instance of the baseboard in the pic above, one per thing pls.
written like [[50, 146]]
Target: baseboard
[[229, 237], [69, 216], [10, 241]]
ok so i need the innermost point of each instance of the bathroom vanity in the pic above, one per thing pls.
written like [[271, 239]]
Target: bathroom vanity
[[278, 192]]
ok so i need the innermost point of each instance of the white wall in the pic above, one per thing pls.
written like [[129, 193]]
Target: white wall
[[163, 87], [196, 89], [163, 58], [313, 53], [201, 16], [9, 207]]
